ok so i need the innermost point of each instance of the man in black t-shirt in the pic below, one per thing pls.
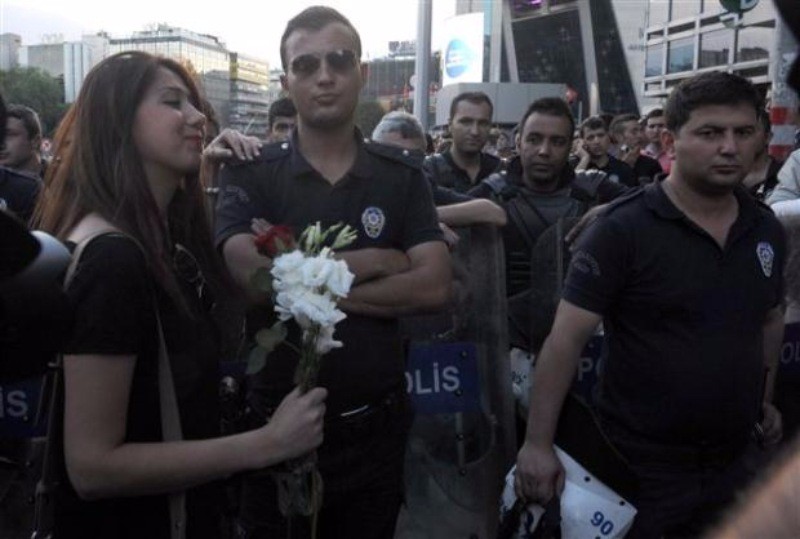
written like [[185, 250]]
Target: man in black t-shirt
[[465, 164], [627, 134], [328, 173], [18, 193], [592, 149], [685, 275]]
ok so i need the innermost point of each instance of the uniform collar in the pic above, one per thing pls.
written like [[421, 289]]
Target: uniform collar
[[300, 166], [657, 200], [488, 165]]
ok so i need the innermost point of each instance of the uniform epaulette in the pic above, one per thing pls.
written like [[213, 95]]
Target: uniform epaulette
[[625, 198], [763, 205], [395, 153]]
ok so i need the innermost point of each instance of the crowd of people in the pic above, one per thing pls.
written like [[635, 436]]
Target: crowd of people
[[676, 256]]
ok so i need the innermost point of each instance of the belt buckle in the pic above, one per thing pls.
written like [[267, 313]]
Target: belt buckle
[[354, 412]]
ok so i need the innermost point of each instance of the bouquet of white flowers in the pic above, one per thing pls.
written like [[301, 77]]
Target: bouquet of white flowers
[[306, 282]]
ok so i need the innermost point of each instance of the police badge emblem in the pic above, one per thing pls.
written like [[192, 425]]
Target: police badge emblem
[[765, 256], [373, 221]]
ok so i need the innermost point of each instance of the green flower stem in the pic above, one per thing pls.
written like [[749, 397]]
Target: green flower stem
[[308, 366]]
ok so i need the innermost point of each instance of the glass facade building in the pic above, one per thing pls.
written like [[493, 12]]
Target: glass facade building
[[249, 106], [204, 55], [624, 55], [685, 37]]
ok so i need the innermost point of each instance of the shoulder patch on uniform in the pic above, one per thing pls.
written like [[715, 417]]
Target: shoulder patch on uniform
[[410, 158]]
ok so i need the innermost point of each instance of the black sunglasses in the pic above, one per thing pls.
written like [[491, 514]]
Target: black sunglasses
[[341, 61]]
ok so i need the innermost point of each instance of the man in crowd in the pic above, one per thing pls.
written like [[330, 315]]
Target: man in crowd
[[328, 173], [21, 149], [465, 163], [540, 187], [402, 129], [654, 123], [763, 177], [686, 276], [18, 191], [627, 134], [282, 119], [592, 150]]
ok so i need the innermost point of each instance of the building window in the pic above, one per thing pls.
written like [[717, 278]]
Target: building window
[[682, 9], [524, 7], [680, 55], [654, 64], [754, 43], [658, 12], [714, 48]]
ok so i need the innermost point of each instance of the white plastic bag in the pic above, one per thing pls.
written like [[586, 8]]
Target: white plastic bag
[[521, 363], [589, 509]]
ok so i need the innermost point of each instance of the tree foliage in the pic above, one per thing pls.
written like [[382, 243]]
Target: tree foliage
[[368, 114], [36, 89]]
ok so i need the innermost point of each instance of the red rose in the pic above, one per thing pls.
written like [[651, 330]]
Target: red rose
[[277, 240]]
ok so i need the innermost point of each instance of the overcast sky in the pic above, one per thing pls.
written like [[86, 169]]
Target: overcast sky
[[247, 27]]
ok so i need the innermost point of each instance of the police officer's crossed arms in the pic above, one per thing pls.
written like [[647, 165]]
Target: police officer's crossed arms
[[686, 275]]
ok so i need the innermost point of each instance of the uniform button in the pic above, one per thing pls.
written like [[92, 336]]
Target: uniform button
[[405, 152], [285, 146], [367, 141]]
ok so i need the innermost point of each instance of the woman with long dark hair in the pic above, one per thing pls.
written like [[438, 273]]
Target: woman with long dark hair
[[127, 159]]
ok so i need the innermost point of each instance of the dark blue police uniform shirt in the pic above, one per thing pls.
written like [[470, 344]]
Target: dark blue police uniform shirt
[[18, 193], [386, 199], [683, 317]]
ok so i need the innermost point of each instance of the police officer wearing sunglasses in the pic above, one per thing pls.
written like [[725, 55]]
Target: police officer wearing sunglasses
[[327, 172]]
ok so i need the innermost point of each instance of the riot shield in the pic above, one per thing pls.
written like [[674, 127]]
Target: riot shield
[[462, 442]]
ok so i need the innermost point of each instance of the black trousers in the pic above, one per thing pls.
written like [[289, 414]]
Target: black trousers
[[684, 491], [361, 462]]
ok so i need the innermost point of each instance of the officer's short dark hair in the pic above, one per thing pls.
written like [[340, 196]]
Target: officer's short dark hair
[[714, 88], [472, 97], [28, 117], [593, 122], [283, 106], [551, 106], [618, 123], [316, 18]]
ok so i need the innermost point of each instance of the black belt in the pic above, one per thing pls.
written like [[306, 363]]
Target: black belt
[[701, 455], [359, 422], [363, 421]]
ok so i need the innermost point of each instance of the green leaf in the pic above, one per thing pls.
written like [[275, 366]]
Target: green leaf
[[256, 361], [269, 338], [262, 280]]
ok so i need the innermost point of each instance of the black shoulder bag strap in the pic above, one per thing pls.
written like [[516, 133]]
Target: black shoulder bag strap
[[44, 510]]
